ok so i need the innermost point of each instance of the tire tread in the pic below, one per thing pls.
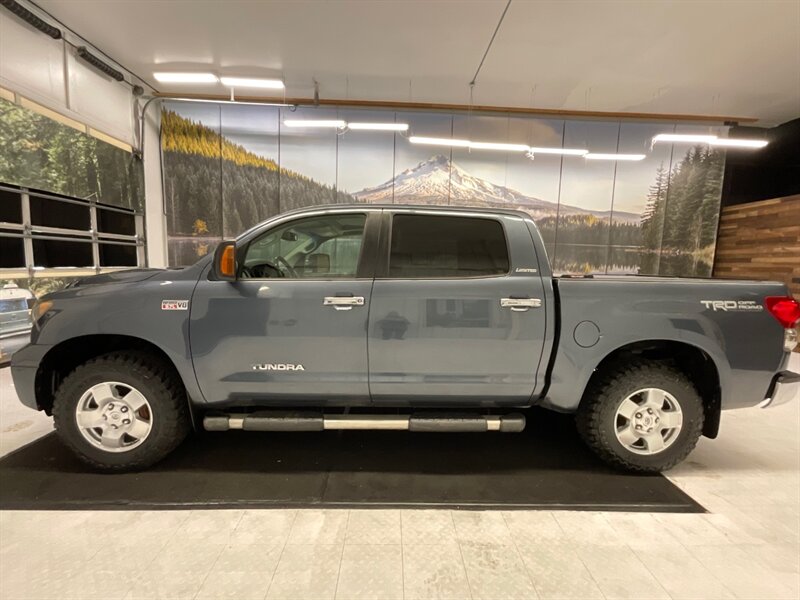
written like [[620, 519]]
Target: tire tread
[[589, 418], [175, 419]]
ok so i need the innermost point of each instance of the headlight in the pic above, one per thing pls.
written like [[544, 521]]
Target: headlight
[[39, 309]]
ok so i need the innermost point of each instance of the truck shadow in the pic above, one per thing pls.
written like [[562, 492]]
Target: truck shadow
[[547, 466]]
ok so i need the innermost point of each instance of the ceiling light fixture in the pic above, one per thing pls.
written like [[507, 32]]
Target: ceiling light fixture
[[439, 141], [564, 151], [312, 123], [712, 140], [602, 156], [688, 138], [379, 126], [250, 82], [164, 77], [498, 146], [739, 143]]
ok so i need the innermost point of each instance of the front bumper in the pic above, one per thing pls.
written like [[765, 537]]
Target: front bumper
[[24, 365], [785, 387]]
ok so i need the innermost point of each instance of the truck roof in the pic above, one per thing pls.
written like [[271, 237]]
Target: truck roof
[[425, 207]]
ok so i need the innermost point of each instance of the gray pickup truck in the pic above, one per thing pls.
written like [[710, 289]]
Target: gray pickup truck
[[395, 317]]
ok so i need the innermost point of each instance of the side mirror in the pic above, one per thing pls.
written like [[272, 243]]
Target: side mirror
[[225, 261]]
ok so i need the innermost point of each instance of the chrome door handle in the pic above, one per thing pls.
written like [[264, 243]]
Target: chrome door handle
[[520, 304], [343, 302]]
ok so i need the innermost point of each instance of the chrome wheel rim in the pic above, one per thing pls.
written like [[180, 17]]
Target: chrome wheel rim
[[114, 416], [648, 421]]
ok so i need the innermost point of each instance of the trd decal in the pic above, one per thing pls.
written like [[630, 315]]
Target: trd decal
[[174, 305], [732, 305], [278, 367]]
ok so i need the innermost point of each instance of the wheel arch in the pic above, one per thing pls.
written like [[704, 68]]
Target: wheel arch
[[691, 360], [66, 356]]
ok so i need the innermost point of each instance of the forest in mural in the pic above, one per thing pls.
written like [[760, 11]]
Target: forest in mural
[[227, 168], [43, 154]]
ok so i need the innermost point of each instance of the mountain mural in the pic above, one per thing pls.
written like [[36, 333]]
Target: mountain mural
[[436, 179]]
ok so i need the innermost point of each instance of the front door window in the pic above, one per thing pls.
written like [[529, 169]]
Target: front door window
[[324, 247]]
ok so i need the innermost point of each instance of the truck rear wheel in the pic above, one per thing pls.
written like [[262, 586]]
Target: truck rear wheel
[[644, 417], [122, 411]]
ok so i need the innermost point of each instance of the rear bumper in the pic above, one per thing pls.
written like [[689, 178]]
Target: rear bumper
[[785, 387]]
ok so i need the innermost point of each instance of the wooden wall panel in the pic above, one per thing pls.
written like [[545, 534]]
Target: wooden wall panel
[[761, 240]]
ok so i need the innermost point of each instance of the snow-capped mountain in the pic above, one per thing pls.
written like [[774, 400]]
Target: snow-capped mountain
[[436, 179]]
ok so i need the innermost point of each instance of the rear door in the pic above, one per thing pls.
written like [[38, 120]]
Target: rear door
[[457, 313], [292, 328]]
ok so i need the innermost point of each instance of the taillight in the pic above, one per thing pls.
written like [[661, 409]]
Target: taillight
[[784, 308]]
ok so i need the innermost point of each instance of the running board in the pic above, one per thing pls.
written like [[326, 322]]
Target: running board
[[309, 421]]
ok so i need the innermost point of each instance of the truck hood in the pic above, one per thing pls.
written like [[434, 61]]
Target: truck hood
[[127, 276]]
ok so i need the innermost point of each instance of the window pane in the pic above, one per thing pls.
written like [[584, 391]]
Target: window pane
[[53, 213], [117, 255], [10, 207], [111, 221], [12, 253], [432, 246], [58, 253], [317, 247]]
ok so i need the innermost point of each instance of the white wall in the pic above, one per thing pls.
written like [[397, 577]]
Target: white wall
[[155, 222]]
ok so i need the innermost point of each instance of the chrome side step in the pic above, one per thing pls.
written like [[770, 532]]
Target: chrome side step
[[309, 421]]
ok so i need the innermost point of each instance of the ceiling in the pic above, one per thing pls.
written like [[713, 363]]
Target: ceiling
[[732, 58]]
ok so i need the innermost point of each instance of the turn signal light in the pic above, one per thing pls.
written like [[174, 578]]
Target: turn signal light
[[784, 308], [228, 262], [39, 309]]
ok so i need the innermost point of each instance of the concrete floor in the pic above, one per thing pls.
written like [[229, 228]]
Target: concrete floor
[[747, 546]]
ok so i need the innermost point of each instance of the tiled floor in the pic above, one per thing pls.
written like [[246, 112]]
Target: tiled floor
[[747, 546]]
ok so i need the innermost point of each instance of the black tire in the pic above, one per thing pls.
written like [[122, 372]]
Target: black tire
[[596, 418], [160, 386]]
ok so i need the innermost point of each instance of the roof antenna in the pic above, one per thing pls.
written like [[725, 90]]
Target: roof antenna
[[316, 92]]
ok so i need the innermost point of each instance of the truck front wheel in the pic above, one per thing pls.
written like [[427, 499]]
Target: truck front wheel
[[644, 417], [122, 411]]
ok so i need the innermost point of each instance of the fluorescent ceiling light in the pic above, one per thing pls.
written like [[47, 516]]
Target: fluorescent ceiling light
[[689, 138], [312, 123], [379, 126], [601, 156], [565, 151], [250, 82], [498, 146], [185, 77], [439, 141], [739, 143]]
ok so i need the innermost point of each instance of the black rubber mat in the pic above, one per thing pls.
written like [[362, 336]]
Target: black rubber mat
[[545, 467]]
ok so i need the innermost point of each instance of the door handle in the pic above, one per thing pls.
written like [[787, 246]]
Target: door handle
[[343, 302], [520, 304]]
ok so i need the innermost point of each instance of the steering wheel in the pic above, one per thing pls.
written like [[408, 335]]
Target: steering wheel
[[257, 271], [268, 270], [285, 263]]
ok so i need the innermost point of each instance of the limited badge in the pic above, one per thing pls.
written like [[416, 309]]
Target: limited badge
[[174, 305]]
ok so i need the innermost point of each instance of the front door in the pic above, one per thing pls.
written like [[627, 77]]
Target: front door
[[457, 314], [292, 328]]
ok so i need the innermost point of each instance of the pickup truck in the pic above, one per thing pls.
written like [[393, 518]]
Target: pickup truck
[[423, 319]]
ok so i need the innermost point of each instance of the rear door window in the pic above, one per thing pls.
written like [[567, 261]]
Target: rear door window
[[442, 246]]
